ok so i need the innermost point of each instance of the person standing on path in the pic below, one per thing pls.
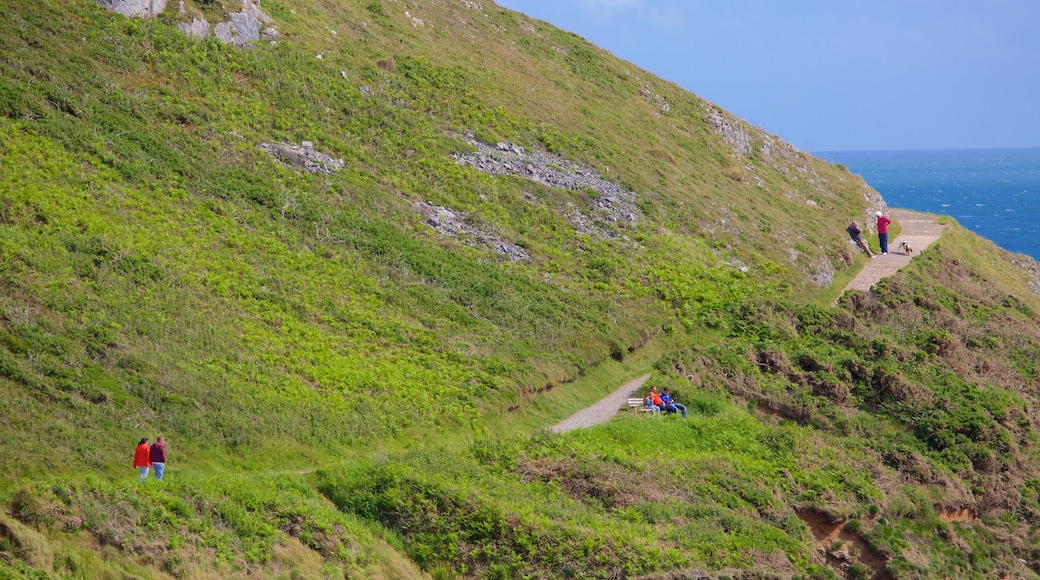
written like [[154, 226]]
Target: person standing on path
[[857, 236], [882, 231], [157, 455], [141, 458]]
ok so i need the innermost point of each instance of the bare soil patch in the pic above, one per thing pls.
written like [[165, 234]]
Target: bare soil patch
[[841, 547]]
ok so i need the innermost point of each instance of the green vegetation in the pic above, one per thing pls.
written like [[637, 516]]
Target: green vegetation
[[347, 392]]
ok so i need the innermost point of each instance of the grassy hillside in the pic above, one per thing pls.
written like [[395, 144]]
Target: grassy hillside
[[352, 370]]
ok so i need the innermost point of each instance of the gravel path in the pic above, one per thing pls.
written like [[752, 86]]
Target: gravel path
[[603, 410], [919, 229]]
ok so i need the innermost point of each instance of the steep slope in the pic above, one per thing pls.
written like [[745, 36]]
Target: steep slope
[[136, 164], [378, 246]]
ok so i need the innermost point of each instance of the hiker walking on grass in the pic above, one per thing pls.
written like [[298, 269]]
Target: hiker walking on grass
[[157, 455], [882, 231], [142, 460], [857, 236]]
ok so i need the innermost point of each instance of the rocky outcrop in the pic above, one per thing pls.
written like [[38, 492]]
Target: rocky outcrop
[[198, 27], [732, 131], [303, 155], [605, 202], [451, 223], [145, 8], [1031, 266], [647, 93], [824, 275], [245, 26]]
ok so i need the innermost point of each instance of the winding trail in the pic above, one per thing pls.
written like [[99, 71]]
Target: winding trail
[[919, 229]]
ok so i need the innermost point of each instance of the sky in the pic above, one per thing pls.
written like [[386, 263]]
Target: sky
[[836, 75]]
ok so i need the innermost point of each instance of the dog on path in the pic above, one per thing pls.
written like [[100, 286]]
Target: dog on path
[[907, 249]]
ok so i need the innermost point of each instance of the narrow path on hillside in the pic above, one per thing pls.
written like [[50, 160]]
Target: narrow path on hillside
[[603, 410], [919, 230]]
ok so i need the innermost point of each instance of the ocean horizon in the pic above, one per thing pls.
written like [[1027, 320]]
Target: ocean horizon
[[992, 192]]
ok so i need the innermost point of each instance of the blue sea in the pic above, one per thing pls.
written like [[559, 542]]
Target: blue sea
[[993, 192]]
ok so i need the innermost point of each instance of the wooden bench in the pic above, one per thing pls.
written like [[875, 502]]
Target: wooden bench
[[637, 404]]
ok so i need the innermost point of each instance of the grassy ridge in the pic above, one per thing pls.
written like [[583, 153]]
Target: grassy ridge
[[160, 272], [133, 169]]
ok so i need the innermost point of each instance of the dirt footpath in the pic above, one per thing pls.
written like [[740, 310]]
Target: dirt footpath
[[603, 410], [919, 229]]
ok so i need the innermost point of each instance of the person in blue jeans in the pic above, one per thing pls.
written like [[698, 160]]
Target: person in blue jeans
[[157, 454], [670, 406], [141, 461], [882, 231], [648, 402]]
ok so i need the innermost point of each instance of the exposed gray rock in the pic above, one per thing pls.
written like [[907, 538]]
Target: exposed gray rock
[[605, 200], [1031, 266], [242, 29], [452, 223], [199, 28], [654, 98], [244, 26], [731, 131], [509, 147], [303, 155], [416, 22], [824, 275], [145, 8]]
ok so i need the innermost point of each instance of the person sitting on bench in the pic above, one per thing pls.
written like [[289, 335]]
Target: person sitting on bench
[[670, 406], [648, 402]]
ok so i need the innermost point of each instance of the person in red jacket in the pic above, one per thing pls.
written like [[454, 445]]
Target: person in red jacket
[[882, 231], [648, 402], [141, 460], [656, 398]]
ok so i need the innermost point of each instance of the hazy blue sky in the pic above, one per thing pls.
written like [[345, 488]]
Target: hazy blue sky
[[829, 75]]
